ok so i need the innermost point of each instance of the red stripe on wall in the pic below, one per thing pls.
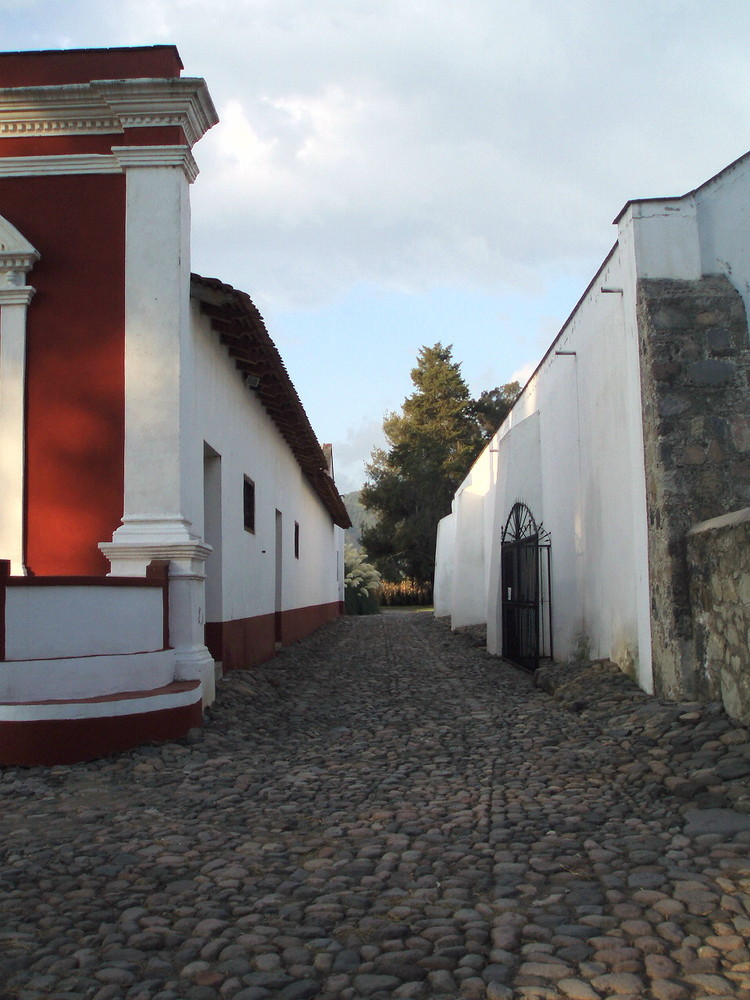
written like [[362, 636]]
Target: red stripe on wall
[[75, 380], [300, 622], [4, 574], [69, 741], [248, 642], [244, 642], [69, 145]]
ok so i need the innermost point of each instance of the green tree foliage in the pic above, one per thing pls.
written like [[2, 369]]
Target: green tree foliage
[[493, 406], [432, 444]]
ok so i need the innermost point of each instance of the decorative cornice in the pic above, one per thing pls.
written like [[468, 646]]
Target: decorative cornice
[[75, 109], [182, 101], [156, 156], [107, 106]]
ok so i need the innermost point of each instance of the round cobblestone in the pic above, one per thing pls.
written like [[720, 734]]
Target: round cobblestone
[[384, 810]]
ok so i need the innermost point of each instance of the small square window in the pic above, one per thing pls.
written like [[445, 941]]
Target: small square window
[[248, 505], [296, 540]]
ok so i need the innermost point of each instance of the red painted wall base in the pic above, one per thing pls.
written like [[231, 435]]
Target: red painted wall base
[[248, 642], [71, 741]]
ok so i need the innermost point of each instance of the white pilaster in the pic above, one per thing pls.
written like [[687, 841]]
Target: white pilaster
[[158, 364], [162, 464], [187, 603], [17, 257]]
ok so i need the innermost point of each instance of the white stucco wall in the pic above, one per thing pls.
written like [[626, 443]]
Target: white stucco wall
[[68, 679], [565, 451], [469, 578], [83, 641], [245, 441], [75, 620], [442, 589], [472, 515], [573, 467], [517, 452], [723, 208]]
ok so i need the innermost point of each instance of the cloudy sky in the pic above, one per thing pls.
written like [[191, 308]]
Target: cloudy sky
[[390, 173]]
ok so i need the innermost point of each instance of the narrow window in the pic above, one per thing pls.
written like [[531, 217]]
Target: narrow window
[[248, 505], [296, 540]]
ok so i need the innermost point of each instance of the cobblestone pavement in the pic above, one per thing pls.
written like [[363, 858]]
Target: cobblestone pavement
[[386, 811]]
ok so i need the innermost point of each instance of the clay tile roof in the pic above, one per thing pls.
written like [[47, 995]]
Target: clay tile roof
[[241, 329]]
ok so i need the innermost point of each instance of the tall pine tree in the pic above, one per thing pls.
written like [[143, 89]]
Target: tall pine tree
[[432, 445]]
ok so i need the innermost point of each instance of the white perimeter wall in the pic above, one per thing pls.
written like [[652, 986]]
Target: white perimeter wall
[[571, 449], [723, 210], [442, 589], [593, 479], [245, 441]]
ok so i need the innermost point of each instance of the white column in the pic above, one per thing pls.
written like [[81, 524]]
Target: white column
[[163, 463], [17, 257], [158, 365]]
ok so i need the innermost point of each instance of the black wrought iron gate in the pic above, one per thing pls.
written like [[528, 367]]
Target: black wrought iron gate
[[526, 604]]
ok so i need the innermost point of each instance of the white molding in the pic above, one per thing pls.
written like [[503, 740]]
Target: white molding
[[115, 162], [107, 106], [157, 156], [122, 552], [153, 529], [140, 539], [77, 163], [111, 708], [14, 296]]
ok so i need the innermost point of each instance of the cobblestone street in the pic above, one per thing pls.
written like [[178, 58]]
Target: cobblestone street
[[386, 811]]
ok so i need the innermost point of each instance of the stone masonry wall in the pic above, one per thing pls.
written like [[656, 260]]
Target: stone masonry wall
[[695, 384], [718, 553]]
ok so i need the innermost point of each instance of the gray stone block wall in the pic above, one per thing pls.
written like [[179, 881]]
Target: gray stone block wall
[[718, 554], [695, 384]]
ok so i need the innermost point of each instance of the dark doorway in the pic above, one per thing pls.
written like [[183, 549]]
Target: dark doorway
[[525, 552]]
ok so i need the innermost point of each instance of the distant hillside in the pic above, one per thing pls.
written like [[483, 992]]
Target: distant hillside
[[360, 518]]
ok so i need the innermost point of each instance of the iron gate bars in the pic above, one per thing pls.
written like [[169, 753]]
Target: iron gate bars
[[526, 593]]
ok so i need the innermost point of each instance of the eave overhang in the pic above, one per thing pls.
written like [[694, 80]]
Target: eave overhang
[[240, 328]]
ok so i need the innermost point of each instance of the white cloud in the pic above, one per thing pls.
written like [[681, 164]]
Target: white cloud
[[524, 373], [351, 454], [411, 145]]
